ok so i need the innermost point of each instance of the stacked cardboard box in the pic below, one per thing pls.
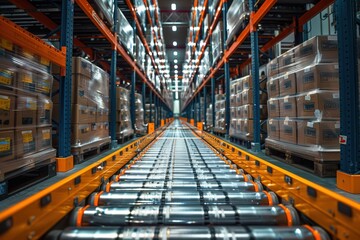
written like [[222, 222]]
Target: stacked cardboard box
[[105, 9], [242, 108], [150, 108], [125, 33], [25, 111], [139, 114], [303, 100], [209, 118], [217, 42], [219, 125], [89, 106], [123, 118], [237, 18]]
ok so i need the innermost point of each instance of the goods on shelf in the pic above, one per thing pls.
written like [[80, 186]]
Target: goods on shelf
[[213, 4], [209, 118], [303, 105], [141, 12], [150, 108], [140, 53], [140, 126], [89, 107], [217, 42], [125, 33], [242, 108], [124, 127], [105, 9], [237, 18], [25, 113], [219, 125]]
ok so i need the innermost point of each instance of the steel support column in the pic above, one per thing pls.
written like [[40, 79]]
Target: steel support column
[[349, 86], [144, 98], [151, 107], [112, 93], [213, 103], [205, 100], [226, 74], [67, 16], [256, 145]]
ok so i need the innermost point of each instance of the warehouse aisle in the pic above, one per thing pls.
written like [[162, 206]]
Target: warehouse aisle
[[180, 189]]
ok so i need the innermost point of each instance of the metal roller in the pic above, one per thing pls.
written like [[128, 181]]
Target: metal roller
[[190, 232], [182, 171], [185, 215], [190, 185], [183, 198], [182, 177]]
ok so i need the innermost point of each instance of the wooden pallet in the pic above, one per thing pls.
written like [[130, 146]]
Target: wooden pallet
[[43, 167], [241, 141], [89, 150], [320, 163]]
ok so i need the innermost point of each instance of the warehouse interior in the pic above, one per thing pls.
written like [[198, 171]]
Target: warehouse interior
[[180, 119]]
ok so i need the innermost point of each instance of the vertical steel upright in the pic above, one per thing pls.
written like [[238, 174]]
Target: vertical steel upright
[[256, 145], [112, 93], [132, 89], [205, 100], [199, 109], [226, 74], [67, 16], [144, 98], [349, 86], [213, 103], [150, 106]]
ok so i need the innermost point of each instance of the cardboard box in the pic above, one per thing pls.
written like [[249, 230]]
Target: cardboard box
[[44, 111], [82, 133], [82, 66], [80, 90], [273, 108], [25, 142], [233, 101], [287, 106], [273, 127], [7, 145], [287, 61], [26, 111], [102, 114], [323, 134], [7, 76], [273, 68], [233, 113], [248, 111], [287, 84], [7, 111], [44, 138], [326, 103], [83, 114], [248, 82], [321, 76], [273, 88], [247, 97], [288, 131], [319, 49], [239, 101]]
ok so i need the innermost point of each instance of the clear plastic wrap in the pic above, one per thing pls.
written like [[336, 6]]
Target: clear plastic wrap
[[105, 9], [123, 119], [217, 42], [126, 33], [25, 111], [237, 17]]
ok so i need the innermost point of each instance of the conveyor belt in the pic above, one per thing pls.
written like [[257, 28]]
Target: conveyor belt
[[180, 189]]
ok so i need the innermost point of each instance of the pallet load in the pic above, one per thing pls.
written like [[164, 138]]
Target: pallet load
[[125, 33], [89, 108], [105, 10], [209, 118], [303, 106], [219, 126], [124, 127], [237, 18], [149, 106], [242, 109], [140, 126], [25, 126]]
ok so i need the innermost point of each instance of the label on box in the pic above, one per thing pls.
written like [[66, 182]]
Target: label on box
[[27, 136], [336, 95], [27, 78], [307, 69], [337, 125], [5, 104], [310, 124], [336, 66], [332, 38], [6, 44], [46, 134], [44, 61], [286, 99], [5, 144], [286, 76], [5, 76], [307, 97]]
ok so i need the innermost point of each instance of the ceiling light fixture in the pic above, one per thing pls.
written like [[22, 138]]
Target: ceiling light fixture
[[175, 53], [174, 43], [175, 61], [173, 6], [174, 28], [176, 66]]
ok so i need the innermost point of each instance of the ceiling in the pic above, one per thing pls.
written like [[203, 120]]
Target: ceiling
[[181, 19]]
